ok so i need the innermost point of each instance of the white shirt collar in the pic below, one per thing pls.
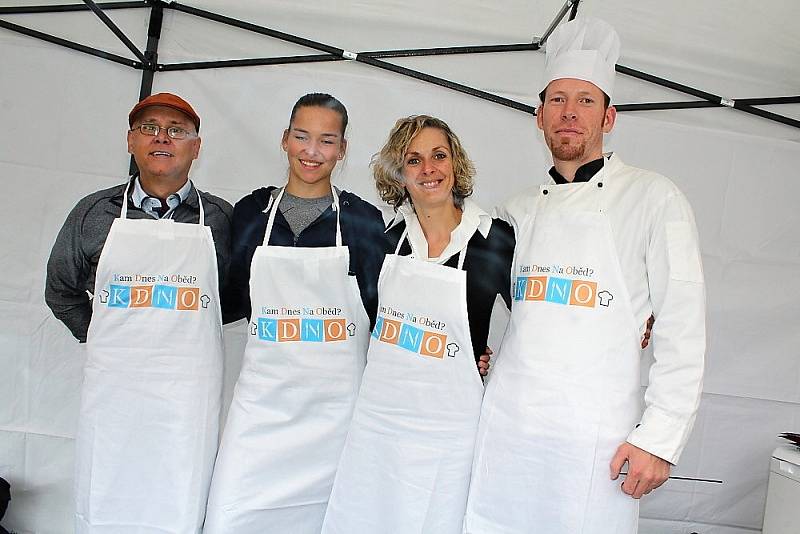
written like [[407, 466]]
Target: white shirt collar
[[473, 218]]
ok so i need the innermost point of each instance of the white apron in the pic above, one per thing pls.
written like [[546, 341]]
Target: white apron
[[295, 394], [405, 467], [149, 415], [565, 388]]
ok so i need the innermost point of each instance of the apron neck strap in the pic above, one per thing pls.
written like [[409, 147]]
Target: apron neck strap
[[275, 204], [123, 214], [335, 206], [200, 205], [462, 254], [403, 237]]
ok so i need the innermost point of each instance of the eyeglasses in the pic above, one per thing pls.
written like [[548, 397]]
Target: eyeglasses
[[173, 132]]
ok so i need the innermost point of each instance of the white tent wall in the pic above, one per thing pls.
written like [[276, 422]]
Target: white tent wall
[[64, 119]]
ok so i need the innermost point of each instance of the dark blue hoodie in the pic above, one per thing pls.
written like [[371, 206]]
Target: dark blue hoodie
[[362, 231]]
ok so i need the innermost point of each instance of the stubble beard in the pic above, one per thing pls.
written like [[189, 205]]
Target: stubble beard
[[566, 151]]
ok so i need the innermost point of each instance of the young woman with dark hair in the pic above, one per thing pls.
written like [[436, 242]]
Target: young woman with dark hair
[[304, 270]]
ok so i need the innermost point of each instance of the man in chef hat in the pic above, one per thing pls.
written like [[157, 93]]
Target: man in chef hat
[[562, 414]]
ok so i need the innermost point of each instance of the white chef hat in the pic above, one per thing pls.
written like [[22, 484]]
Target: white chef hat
[[584, 48]]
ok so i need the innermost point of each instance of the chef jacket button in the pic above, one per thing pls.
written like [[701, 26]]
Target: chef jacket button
[[599, 184], [544, 191]]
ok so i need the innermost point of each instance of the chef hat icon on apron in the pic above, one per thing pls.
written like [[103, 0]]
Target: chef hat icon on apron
[[585, 49]]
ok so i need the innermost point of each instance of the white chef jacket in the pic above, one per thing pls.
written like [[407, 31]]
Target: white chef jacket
[[656, 240]]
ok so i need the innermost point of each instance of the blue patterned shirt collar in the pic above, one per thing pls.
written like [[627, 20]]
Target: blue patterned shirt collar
[[150, 204]]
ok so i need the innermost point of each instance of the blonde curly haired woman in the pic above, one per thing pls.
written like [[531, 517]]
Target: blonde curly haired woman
[[407, 459]]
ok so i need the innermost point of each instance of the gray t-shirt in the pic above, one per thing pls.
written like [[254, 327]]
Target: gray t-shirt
[[301, 212]]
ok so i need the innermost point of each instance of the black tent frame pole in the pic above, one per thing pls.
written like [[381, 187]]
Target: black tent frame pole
[[71, 45], [343, 54], [658, 106], [372, 59], [574, 11], [663, 82], [440, 51], [767, 115], [151, 50], [114, 29], [713, 99], [208, 15], [230, 63], [706, 104], [150, 58], [377, 54], [61, 8], [569, 5], [447, 84], [148, 61], [770, 100]]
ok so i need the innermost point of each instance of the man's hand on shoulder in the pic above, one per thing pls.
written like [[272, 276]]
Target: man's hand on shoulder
[[484, 361], [646, 471]]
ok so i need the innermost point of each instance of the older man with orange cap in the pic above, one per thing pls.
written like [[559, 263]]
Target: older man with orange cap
[[153, 253], [600, 247]]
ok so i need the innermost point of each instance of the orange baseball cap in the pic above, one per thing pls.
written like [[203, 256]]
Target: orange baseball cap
[[168, 100]]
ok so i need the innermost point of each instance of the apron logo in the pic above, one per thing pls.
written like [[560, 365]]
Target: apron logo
[[313, 330], [164, 296], [413, 338], [563, 291]]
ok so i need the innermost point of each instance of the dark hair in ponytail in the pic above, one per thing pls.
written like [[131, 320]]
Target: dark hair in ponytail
[[321, 100]]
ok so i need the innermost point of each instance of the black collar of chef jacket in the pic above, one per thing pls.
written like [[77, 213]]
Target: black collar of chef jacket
[[583, 174]]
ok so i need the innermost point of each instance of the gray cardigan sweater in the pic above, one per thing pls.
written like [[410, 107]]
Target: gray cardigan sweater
[[72, 266]]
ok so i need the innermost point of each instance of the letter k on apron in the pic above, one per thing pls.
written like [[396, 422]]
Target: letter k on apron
[[565, 389]]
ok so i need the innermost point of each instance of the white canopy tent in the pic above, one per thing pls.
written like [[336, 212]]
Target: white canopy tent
[[64, 116]]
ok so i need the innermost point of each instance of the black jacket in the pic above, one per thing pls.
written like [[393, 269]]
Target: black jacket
[[488, 266], [362, 231]]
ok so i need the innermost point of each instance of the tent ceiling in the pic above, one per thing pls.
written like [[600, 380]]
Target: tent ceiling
[[735, 50]]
